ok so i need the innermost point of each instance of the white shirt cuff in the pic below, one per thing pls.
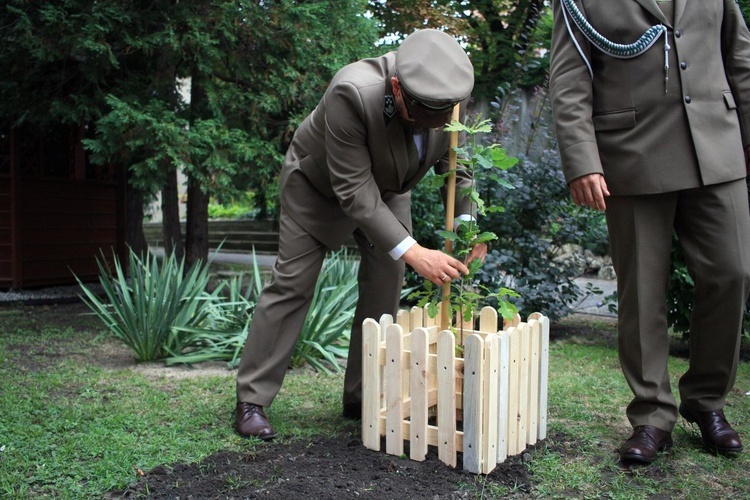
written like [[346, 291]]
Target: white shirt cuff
[[400, 249], [464, 217]]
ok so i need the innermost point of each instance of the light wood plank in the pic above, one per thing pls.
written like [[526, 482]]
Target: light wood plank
[[490, 403], [533, 413], [523, 385], [473, 392], [418, 410], [514, 372], [371, 384], [394, 370], [488, 320], [503, 406], [446, 369]]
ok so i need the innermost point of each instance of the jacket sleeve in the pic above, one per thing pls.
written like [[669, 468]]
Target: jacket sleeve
[[735, 42], [350, 168], [571, 94]]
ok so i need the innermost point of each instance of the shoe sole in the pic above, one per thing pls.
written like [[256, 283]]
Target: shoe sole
[[262, 438]]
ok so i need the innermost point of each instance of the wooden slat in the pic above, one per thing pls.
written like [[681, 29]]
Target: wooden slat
[[394, 371], [446, 368], [371, 389], [488, 320], [419, 391], [523, 385], [473, 392], [503, 407], [543, 373], [490, 403], [514, 372], [533, 413]]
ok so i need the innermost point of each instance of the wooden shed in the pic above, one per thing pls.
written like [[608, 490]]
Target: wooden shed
[[58, 212]]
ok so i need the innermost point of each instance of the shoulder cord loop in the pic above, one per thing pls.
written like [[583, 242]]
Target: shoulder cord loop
[[621, 51]]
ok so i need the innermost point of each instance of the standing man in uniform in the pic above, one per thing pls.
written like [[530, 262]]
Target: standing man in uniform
[[349, 170], [652, 110]]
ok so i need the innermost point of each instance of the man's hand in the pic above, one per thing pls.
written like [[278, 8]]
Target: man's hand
[[477, 252], [590, 190], [434, 265]]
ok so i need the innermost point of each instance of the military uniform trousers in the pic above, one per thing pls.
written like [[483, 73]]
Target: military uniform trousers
[[284, 303], [713, 226]]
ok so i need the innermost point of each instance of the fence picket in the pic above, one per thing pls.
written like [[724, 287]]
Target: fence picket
[[371, 389], [419, 392], [394, 372], [446, 397], [473, 392]]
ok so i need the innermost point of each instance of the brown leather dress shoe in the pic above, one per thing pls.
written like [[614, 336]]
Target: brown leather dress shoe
[[250, 421], [716, 433], [644, 444]]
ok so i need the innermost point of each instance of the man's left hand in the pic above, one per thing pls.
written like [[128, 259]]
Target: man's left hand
[[477, 252]]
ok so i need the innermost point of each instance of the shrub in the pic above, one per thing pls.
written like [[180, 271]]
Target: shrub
[[222, 335], [147, 310], [324, 336], [537, 222]]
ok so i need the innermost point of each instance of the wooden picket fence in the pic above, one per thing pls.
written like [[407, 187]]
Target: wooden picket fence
[[416, 389]]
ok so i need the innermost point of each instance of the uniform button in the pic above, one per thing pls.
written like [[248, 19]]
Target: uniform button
[[678, 33], [688, 99], [683, 65]]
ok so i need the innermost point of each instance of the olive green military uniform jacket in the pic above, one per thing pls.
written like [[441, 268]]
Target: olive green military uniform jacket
[[352, 163], [622, 123]]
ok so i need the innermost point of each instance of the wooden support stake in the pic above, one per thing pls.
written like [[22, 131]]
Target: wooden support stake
[[450, 207]]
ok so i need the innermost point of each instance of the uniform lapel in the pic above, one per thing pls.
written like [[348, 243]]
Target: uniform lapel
[[650, 6], [679, 9]]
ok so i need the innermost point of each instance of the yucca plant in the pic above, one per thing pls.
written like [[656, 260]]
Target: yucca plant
[[222, 336], [147, 310], [326, 331]]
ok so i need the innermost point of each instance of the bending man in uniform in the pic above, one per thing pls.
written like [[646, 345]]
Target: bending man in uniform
[[349, 170]]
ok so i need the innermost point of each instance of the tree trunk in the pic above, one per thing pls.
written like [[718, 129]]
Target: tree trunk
[[134, 236], [197, 223], [170, 210], [196, 231]]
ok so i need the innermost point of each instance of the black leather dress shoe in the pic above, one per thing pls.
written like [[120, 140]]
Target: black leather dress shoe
[[716, 433], [644, 444], [250, 421], [353, 411]]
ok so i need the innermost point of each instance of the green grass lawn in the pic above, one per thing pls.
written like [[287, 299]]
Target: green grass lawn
[[78, 418]]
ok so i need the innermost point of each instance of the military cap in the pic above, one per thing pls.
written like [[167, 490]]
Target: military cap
[[434, 70]]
